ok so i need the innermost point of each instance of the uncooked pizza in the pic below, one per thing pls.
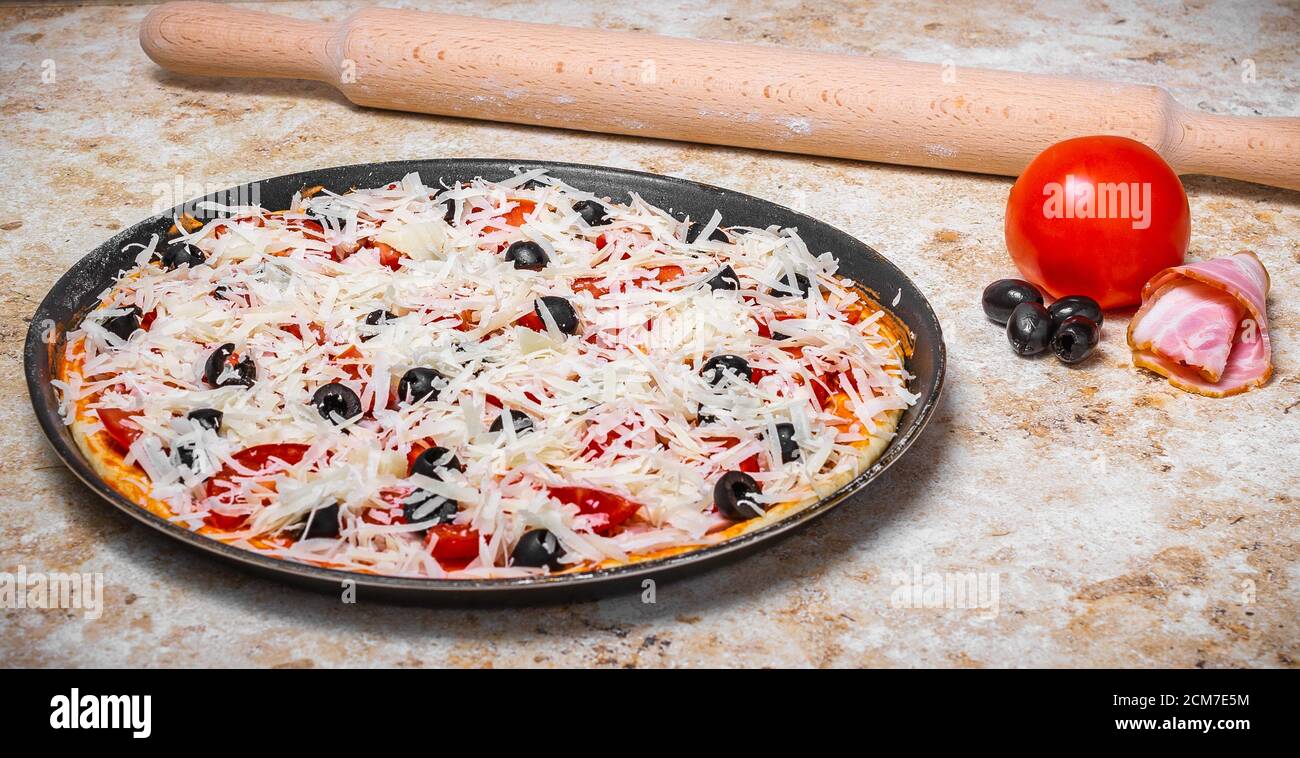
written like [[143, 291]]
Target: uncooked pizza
[[479, 380]]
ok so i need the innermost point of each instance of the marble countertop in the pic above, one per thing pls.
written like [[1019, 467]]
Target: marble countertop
[[1107, 519]]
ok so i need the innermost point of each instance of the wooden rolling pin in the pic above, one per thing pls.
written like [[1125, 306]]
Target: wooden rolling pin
[[771, 98]]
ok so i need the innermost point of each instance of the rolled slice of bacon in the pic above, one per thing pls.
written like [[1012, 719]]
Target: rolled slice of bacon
[[1204, 326]]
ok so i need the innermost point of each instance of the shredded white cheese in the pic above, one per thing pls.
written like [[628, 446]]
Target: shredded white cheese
[[615, 407]]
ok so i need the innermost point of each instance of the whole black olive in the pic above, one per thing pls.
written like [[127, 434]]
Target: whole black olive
[[377, 318], [183, 455], [221, 371], [1075, 305], [715, 367], [336, 402], [527, 255], [518, 419], [1029, 329], [434, 460], [217, 361], [176, 256], [789, 448], [1075, 339], [125, 325], [537, 548], [736, 496], [725, 279], [324, 523], [566, 319], [801, 284], [420, 384], [380, 316], [425, 507], [208, 418], [592, 212], [1002, 297]]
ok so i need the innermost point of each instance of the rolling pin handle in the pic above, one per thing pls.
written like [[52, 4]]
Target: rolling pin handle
[[1258, 149], [209, 39]]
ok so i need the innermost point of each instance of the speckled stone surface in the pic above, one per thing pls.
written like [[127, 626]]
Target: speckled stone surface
[[1124, 523]]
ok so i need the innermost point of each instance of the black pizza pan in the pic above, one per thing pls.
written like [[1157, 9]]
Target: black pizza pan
[[77, 291]]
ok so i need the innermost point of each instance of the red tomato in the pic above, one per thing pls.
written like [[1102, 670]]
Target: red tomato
[[118, 426], [388, 255], [310, 229], [350, 360], [225, 227], [257, 458], [589, 285], [531, 321], [147, 319], [750, 465], [227, 522], [822, 387], [615, 508], [1097, 216], [515, 217], [317, 331], [596, 447], [456, 542], [342, 250], [666, 274], [828, 386], [368, 516], [393, 496]]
